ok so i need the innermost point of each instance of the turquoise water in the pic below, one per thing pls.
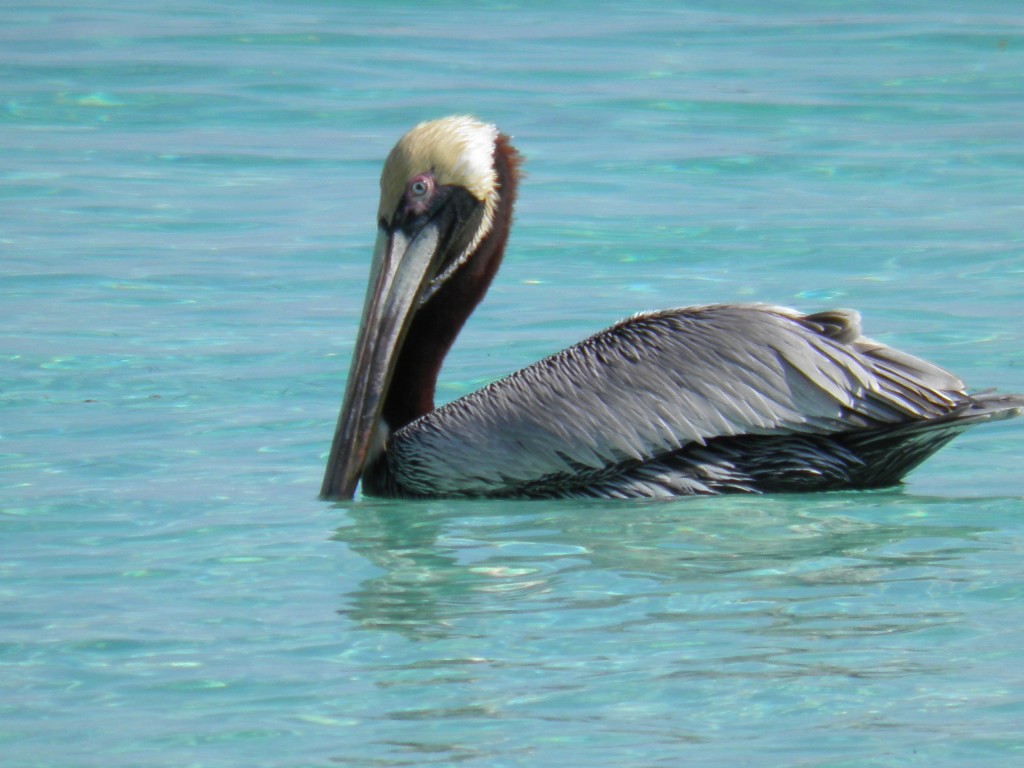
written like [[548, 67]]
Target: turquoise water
[[188, 201]]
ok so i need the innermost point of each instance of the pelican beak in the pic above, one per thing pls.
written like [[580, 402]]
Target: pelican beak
[[404, 264]]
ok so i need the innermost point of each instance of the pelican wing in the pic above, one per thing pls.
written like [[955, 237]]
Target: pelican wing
[[657, 382]]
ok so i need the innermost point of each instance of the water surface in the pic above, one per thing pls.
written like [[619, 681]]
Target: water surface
[[188, 200]]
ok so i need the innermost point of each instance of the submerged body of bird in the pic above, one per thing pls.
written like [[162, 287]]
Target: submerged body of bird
[[698, 400]]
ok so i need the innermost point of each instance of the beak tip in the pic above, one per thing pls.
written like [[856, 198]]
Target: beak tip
[[337, 486]]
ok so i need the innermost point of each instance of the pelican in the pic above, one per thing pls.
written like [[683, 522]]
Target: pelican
[[698, 400]]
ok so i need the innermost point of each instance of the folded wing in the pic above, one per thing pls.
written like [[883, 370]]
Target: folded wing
[[657, 382]]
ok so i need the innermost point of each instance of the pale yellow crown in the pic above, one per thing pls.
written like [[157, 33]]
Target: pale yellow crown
[[458, 150]]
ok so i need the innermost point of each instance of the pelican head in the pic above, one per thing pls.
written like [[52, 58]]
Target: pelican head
[[446, 195]]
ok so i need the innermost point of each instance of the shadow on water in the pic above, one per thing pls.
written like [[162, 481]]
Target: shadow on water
[[443, 562]]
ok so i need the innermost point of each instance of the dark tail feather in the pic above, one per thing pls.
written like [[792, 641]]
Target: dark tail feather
[[991, 406], [890, 453], [874, 458]]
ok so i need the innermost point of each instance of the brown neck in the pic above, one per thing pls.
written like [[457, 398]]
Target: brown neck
[[439, 321]]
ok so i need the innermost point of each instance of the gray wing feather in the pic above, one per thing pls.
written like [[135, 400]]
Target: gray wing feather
[[659, 381]]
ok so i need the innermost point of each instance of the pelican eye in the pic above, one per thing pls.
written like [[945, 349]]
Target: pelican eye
[[421, 187]]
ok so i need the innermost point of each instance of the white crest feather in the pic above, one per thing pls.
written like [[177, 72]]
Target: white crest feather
[[459, 151]]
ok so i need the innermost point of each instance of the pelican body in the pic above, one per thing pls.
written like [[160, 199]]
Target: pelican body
[[697, 400]]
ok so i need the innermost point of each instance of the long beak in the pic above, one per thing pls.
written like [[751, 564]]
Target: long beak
[[401, 270]]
